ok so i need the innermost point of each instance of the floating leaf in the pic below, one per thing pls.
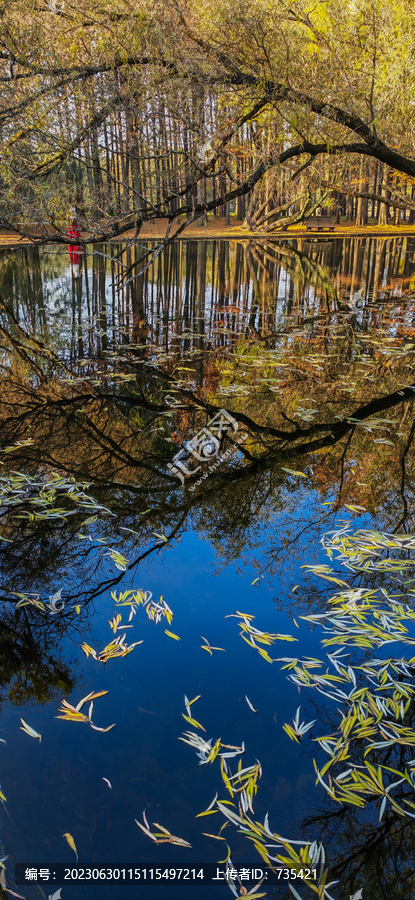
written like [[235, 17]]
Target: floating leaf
[[250, 704], [30, 731], [71, 843], [208, 647], [193, 722], [108, 728]]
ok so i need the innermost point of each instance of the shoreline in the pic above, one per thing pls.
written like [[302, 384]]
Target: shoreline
[[217, 230]]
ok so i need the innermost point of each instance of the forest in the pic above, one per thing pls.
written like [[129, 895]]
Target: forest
[[266, 111]]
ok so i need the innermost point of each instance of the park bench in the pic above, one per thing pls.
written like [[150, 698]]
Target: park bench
[[320, 223]]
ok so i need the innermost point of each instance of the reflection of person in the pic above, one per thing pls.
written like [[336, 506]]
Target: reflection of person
[[74, 250]]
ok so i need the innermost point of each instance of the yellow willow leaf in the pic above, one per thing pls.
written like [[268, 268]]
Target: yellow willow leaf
[[347, 725], [164, 830], [222, 861], [291, 734], [247, 641], [193, 722], [264, 654], [171, 635], [89, 651], [225, 778], [262, 852], [114, 623], [356, 508], [73, 717], [194, 699], [71, 843], [94, 695], [327, 765], [214, 752], [216, 837]]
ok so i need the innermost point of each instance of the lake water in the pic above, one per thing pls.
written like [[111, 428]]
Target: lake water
[[308, 347]]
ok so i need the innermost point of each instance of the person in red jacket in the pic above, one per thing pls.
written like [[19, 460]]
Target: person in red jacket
[[74, 249]]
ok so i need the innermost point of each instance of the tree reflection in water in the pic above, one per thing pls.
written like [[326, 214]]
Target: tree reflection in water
[[103, 381]]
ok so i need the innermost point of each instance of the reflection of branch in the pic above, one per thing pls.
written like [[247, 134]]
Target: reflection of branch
[[368, 847], [298, 534], [287, 251], [343, 456], [375, 838], [402, 485], [337, 430], [112, 582], [154, 254]]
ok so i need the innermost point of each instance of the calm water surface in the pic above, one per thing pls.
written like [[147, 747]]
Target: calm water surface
[[104, 380]]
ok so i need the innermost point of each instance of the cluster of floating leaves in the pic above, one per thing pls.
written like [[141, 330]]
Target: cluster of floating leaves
[[208, 647], [73, 713], [373, 696], [163, 836], [376, 695], [155, 610], [41, 499], [113, 650], [135, 598], [132, 598], [40, 494], [361, 550], [242, 785], [255, 636]]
